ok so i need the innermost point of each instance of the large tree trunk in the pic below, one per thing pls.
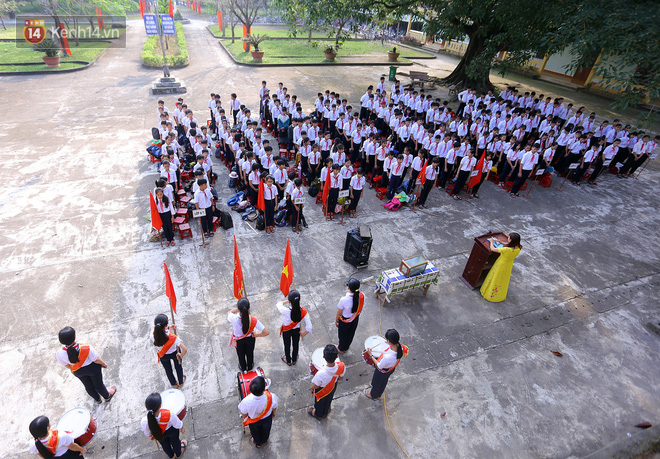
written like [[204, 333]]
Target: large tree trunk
[[3, 22], [460, 77]]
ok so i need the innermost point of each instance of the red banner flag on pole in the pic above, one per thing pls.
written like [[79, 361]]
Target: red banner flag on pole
[[142, 8], [156, 222], [480, 165], [422, 174], [260, 198], [326, 187], [169, 289], [170, 11], [101, 17], [239, 285], [98, 17], [220, 21], [245, 34], [65, 40], [287, 271]]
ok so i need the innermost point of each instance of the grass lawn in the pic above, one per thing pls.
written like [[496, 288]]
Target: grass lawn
[[300, 52], [271, 31], [87, 51], [37, 67]]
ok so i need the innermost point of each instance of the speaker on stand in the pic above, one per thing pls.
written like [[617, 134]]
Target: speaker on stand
[[358, 247]]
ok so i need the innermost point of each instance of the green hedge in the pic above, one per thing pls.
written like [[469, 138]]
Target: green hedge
[[153, 57]]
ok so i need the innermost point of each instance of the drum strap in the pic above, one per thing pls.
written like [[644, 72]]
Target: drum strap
[[171, 339], [357, 313], [269, 403], [292, 325], [52, 442], [165, 416], [82, 356], [328, 388], [233, 339], [405, 353]]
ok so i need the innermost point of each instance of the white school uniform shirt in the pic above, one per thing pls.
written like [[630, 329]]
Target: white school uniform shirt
[[407, 160], [63, 442], [452, 153], [346, 172], [235, 320], [467, 163], [548, 155], [388, 359], [387, 164], [325, 144], [431, 172], [204, 198], [338, 158], [172, 349], [285, 311], [167, 191], [235, 104], [324, 174], [173, 422], [270, 192], [335, 180], [162, 208], [417, 163], [314, 158], [590, 155], [254, 178], [169, 176], [267, 161], [610, 152], [325, 374], [357, 183], [253, 406], [529, 160], [63, 358], [290, 186], [280, 176], [642, 147]]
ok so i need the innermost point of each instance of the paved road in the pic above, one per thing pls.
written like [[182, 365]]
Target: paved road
[[74, 251]]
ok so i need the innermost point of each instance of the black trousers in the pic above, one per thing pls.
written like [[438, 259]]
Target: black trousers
[[446, 175], [355, 200], [346, 332], [260, 430], [322, 407], [333, 194], [460, 181], [475, 189], [580, 171], [171, 443], [291, 337], [91, 377], [379, 382], [235, 115], [598, 166], [207, 220], [167, 361], [520, 180], [245, 352], [413, 178], [426, 189], [506, 170], [168, 230], [395, 182], [269, 212], [639, 162]]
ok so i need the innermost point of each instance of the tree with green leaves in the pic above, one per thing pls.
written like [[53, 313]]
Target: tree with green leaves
[[6, 7]]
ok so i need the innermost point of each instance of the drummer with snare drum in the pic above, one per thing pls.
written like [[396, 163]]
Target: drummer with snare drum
[[52, 443], [163, 425], [324, 383], [385, 363]]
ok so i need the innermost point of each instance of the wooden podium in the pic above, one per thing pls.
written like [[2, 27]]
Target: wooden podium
[[481, 260]]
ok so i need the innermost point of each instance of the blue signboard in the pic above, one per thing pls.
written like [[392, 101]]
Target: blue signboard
[[151, 24], [168, 24]]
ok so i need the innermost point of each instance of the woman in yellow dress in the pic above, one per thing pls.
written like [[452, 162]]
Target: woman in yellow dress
[[496, 285]]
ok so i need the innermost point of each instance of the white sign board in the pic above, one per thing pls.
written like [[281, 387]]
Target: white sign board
[[199, 213], [299, 201], [344, 193], [607, 163], [540, 171], [474, 173], [574, 166]]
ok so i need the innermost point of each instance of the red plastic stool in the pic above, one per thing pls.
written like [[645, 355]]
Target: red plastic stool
[[216, 224], [183, 213], [185, 231], [381, 193], [319, 198], [184, 200], [178, 221]]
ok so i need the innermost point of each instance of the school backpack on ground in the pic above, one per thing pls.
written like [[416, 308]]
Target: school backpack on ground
[[232, 182], [236, 199], [280, 218], [155, 133], [154, 150], [241, 206], [225, 220], [261, 223], [313, 191], [393, 205]]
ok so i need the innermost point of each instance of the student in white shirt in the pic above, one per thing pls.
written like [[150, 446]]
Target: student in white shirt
[[204, 200], [348, 314], [465, 170], [324, 383], [171, 350], [356, 187], [385, 364], [293, 316], [416, 168], [485, 173], [396, 176], [52, 443], [163, 426], [588, 157], [166, 212], [258, 410], [270, 194], [428, 178], [297, 216], [85, 364], [245, 328], [527, 165]]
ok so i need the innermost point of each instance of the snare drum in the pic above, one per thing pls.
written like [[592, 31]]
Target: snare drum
[[317, 361], [175, 401], [244, 380], [80, 424], [377, 344]]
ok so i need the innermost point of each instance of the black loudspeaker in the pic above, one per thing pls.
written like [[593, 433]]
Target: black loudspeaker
[[358, 247]]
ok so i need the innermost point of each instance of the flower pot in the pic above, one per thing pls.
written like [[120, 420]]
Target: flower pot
[[52, 61], [330, 56], [392, 56], [257, 55]]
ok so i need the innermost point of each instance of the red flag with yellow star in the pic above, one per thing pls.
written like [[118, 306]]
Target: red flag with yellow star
[[287, 271]]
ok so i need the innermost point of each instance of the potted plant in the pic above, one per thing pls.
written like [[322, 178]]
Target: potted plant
[[254, 40], [392, 55], [331, 52], [52, 50]]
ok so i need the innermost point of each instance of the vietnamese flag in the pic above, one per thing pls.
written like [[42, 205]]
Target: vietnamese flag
[[422, 173], [287, 271], [239, 286], [156, 222], [480, 166], [171, 10], [169, 288], [260, 199]]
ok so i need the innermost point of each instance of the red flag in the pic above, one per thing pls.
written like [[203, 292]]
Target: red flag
[[287, 271], [169, 288], [326, 187], [156, 222], [98, 17], [188, 2], [245, 34], [220, 21], [101, 18], [142, 8], [171, 10], [239, 286], [260, 199], [480, 166], [65, 40], [422, 173]]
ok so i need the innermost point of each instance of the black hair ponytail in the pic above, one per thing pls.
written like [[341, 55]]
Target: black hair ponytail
[[294, 300], [160, 324], [392, 336], [153, 404], [354, 287], [244, 308], [67, 337], [39, 429]]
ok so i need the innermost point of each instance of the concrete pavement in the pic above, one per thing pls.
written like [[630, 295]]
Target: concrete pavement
[[74, 251]]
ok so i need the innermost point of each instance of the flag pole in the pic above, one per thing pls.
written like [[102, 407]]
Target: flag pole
[[172, 312]]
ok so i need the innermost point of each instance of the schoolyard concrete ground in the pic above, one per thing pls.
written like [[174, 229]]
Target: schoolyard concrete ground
[[481, 380]]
